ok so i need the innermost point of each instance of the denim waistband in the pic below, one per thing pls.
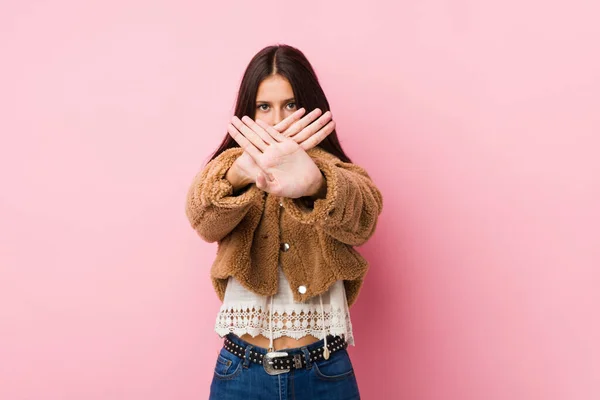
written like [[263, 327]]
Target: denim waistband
[[313, 346]]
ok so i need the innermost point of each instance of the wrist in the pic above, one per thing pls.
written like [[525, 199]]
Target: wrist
[[319, 190], [236, 179]]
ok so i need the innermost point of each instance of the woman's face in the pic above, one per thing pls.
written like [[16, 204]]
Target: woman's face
[[274, 100]]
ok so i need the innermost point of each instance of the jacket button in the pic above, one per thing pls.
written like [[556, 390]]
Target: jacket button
[[285, 246], [302, 289]]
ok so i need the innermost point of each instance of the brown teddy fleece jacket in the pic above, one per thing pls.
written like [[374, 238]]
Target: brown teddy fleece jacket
[[312, 241]]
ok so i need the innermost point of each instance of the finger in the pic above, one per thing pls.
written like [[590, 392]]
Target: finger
[[285, 124], [297, 126], [249, 134], [261, 182], [313, 128], [271, 131], [243, 142], [258, 130], [318, 137]]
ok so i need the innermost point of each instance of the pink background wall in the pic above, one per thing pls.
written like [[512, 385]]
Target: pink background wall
[[479, 122]]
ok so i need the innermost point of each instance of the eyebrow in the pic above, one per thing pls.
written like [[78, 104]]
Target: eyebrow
[[268, 102]]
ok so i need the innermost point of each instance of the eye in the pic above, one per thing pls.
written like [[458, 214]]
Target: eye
[[263, 107], [291, 105]]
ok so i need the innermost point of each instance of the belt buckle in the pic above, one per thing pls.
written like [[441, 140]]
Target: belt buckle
[[268, 363]]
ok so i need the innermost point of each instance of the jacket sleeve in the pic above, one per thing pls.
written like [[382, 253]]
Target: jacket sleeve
[[211, 207], [351, 207]]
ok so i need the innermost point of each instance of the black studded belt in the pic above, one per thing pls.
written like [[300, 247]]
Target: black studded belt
[[278, 362]]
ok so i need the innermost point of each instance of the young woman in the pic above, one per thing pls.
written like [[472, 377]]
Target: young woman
[[286, 206]]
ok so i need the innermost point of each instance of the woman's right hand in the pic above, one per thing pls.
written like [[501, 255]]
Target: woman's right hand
[[244, 170]]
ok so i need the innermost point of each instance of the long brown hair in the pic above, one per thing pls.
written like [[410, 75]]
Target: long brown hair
[[290, 63]]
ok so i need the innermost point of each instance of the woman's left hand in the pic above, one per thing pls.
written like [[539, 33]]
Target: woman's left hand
[[288, 170]]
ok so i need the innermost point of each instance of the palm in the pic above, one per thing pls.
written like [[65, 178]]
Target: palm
[[290, 170]]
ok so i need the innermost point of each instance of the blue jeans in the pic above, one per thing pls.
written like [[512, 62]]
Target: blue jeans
[[237, 378]]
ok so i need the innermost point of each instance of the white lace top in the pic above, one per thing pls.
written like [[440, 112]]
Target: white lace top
[[244, 312]]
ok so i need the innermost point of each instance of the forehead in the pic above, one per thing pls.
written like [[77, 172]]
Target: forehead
[[274, 88]]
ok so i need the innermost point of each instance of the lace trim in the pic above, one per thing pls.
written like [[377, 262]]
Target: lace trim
[[295, 321]]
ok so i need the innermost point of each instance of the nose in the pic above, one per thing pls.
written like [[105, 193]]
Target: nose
[[277, 116]]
